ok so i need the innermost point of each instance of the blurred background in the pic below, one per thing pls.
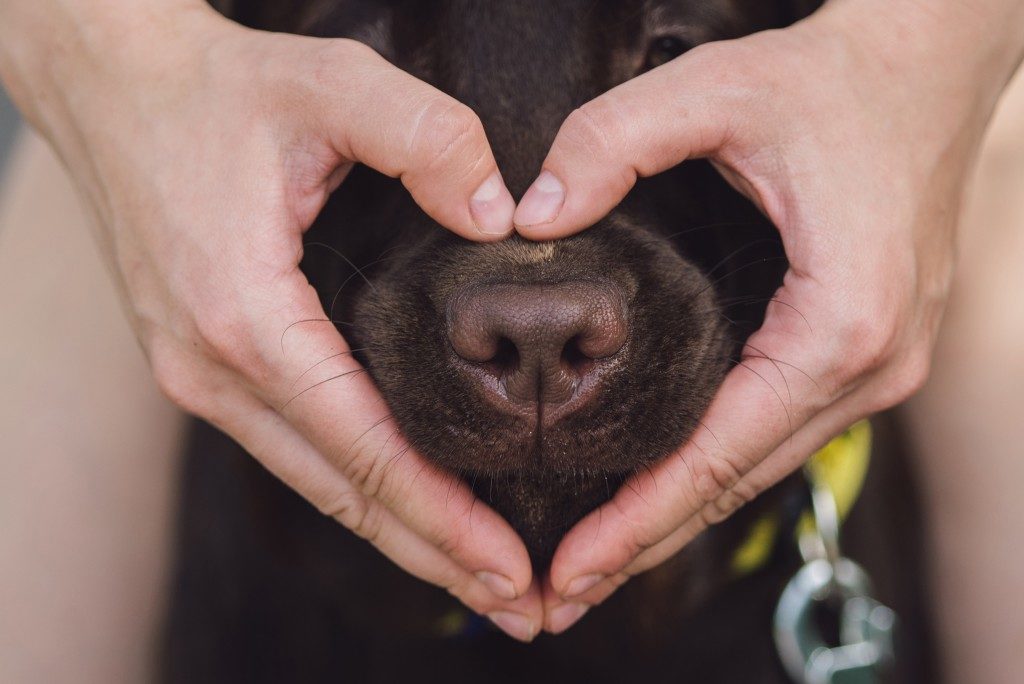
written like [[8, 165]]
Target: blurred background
[[8, 125]]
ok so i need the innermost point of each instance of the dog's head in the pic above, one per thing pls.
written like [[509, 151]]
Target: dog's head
[[543, 373]]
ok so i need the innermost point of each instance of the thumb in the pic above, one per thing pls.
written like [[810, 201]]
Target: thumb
[[640, 128], [395, 123]]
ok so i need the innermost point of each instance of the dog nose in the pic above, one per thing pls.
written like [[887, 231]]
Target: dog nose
[[538, 345]]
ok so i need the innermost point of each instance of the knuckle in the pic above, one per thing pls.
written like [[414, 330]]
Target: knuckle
[[462, 589], [606, 589], [916, 371], [327, 61], [739, 64], [367, 475], [591, 129], [638, 539], [637, 543], [871, 338], [447, 130], [597, 131], [905, 379], [714, 476], [723, 506], [720, 488], [228, 341], [449, 542], [354, 512], [352, 49], [175, 378]]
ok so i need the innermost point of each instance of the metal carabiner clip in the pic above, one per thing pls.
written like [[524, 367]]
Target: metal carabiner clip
[[866, 626]]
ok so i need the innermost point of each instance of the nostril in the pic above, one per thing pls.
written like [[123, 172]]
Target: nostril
[[537, 343], [505, 359], [575, 359]]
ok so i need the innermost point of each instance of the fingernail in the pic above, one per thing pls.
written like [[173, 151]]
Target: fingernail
[[565, 616], [515, 625], [542, 201], [582, 584], [492, 206], [499, 584]]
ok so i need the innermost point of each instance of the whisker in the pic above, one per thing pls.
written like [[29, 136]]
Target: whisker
[[310, 320], [706, 226], [650, 472], [756, 262], [334, 300], [347, 260], [796, 368], [789, 417], [322, 382], [366, 432], [332, 356], [789, 392], [732, 254], [635, 491], [738, 323], [754, 299], [384, 446], [703, 425], [451, 487]]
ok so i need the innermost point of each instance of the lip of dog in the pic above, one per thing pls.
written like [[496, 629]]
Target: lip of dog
[[545, 373]]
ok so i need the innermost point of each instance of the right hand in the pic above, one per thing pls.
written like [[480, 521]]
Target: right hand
[[204, 151]]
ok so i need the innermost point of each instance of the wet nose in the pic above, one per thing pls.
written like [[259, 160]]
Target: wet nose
[[537, 345]]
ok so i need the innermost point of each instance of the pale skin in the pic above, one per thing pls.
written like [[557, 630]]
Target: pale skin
[[857, 203], [269, 137], [854, 132]]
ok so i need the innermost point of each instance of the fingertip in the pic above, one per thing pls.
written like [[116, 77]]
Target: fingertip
[[501, 586], [581, 584], [518, 626], [492, 207], [596, 550], [541, 204], [502, 562], [565, 616], [523, 579]]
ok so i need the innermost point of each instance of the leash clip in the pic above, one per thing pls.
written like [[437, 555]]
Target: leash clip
[[828, 582]]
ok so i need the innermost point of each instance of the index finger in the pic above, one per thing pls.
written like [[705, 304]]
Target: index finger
[[374, 113], [304, 369], [640, 128], [790, 372]]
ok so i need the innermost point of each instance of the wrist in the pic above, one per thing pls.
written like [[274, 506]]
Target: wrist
[[939, 65], [51, 50], [981, 41]]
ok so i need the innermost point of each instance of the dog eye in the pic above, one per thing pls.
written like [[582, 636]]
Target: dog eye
[[663, 50]]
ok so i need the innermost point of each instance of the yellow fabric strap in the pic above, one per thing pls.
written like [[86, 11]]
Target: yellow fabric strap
[[841, 465]]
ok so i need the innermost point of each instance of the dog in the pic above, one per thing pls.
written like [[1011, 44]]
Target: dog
[[543, 374]]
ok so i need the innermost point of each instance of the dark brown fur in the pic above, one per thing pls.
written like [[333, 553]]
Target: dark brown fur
[[268, 591], [660, 249]]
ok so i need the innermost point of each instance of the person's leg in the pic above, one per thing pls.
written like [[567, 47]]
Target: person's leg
[[968, 423], [88, 449]]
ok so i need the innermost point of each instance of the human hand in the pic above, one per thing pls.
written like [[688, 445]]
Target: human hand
[[853, 132], [204, 151]]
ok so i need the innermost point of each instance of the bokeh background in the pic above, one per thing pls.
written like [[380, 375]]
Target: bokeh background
[[8, 125]]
